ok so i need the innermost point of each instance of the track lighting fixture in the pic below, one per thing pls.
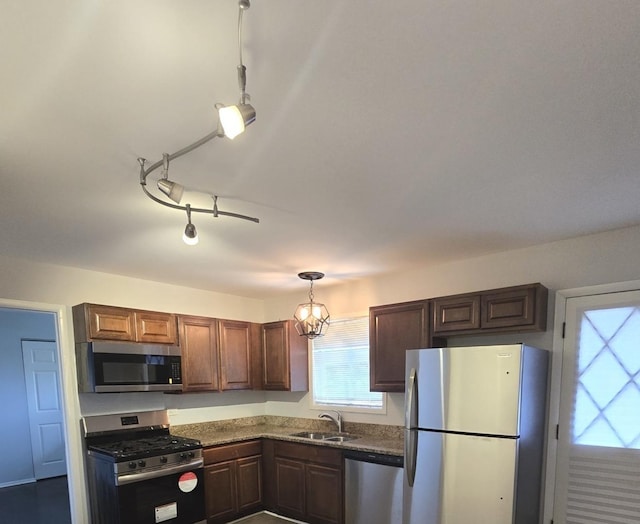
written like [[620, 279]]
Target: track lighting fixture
[[172, 189], [232, 120], [312, 318]]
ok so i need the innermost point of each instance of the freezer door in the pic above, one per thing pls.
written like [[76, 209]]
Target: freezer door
[[466, 389], [461, 479]]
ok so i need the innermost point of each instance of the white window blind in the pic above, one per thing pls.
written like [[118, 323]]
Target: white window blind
[[340, 366]]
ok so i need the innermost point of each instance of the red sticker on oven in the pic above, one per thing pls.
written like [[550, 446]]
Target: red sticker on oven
[[187, 482]]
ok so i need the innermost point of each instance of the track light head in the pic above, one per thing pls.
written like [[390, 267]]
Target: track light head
[[172, 189], [190, 236], [234, 119]]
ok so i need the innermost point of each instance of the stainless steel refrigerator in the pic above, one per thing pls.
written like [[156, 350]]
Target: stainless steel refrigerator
[[474, 434]]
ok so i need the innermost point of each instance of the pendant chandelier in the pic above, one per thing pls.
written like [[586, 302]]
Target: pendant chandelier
[[232, 120], [312, 318]]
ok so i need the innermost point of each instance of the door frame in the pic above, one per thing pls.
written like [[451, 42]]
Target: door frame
[[556, 379], [74, 445]]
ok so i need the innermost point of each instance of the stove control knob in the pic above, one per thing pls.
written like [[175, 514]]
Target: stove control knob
[[132, 465], [163, 460], [142, 463]]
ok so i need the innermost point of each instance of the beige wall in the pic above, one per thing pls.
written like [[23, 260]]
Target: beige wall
[[589, 260], [24, 280]]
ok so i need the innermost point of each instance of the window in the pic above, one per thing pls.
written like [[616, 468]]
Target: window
[[340, 367], [607, 405]]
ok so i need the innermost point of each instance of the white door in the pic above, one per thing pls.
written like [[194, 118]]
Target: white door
[[598, 464], [45, 408]]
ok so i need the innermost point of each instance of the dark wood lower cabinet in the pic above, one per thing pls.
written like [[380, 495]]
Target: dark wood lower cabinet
[[290, 487], [233, 481], [324, 493], [304, 482]]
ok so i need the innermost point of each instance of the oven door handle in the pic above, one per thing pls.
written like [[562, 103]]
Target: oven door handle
[[129, 478]]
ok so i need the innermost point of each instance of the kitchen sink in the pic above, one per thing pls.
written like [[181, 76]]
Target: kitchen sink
[[330, 437], [340, 438]]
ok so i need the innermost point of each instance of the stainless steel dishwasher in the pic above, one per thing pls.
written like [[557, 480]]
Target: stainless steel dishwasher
[[373, 488]]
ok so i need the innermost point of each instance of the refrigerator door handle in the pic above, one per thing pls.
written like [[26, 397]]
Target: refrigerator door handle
[[411, 407], [410, 455]]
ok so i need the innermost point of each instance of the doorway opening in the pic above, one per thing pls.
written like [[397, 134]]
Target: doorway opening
[[37, 372]]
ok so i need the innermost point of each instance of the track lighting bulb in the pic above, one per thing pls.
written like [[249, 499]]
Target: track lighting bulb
[[234, 119], [190, 236]]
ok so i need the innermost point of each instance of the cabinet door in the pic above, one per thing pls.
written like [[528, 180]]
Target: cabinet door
[[284, 359], [457, 313], [235, 354], [324, 494], [522, 307], [156, 327], [249, 483], [198, 341], [290, 487], [393, 329], [111, 323], [220, 491]]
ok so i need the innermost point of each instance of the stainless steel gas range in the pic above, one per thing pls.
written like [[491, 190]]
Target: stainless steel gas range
[[138, 473]]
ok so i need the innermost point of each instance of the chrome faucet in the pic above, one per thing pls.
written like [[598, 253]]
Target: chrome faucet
[[336, 417]]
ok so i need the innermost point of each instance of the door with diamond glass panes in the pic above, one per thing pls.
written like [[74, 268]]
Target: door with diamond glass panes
[[598, 464]]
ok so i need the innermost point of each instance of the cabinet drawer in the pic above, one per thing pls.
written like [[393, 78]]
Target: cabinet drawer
[[309, 453], [232, 451]]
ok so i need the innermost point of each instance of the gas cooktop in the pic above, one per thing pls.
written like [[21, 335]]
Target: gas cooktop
[[145, 447]]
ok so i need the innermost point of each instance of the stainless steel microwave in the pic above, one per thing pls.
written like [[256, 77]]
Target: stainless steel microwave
[[113, 367]]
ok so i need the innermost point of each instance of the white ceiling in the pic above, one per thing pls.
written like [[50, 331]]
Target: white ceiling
[[389, 134]]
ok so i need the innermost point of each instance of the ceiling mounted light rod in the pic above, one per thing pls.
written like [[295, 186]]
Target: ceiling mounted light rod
[[231, 121], [312, 318]]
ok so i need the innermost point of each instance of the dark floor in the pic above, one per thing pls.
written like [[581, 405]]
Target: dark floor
[[42, 502]]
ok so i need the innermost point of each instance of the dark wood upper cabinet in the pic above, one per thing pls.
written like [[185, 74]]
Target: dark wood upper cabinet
[[199, 347], [393, 329], [456, 313], [216, 354], [235, 354], [284, 357], [518, 308], [160, 328], [100, 322]]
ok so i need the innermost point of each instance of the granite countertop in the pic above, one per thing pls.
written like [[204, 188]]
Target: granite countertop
[[387, 440]]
